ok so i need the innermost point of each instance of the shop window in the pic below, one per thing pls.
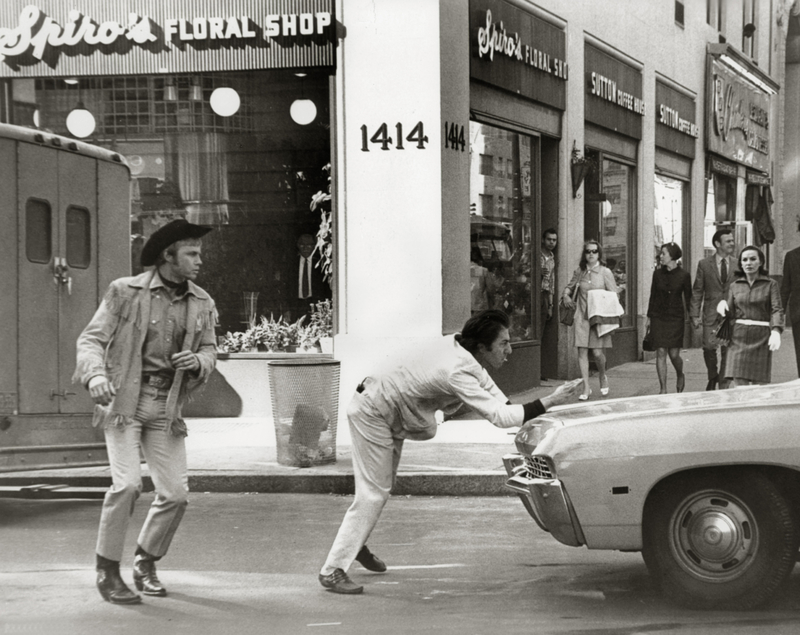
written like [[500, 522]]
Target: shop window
[[38, 231], [501, 251], [79, 237], [609, 212], [670, 196], [721, 212], [250, 175]]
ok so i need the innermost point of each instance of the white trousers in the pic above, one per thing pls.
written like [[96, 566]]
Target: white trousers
[[376, 454], [166, 457]]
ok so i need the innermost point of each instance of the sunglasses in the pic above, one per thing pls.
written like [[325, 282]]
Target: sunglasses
[[590, 251]]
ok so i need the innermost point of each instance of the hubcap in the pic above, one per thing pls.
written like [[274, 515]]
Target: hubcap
[[713, 536]]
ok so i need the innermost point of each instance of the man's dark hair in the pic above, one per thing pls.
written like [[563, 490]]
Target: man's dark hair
[[717, 237], [549, 231], [482, 328]]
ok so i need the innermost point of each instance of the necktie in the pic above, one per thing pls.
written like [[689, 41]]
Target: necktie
[[723, 270], [304, 290]]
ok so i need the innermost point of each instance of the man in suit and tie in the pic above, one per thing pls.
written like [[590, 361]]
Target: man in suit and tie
[[311, 288], [711, 285], [790, 296]]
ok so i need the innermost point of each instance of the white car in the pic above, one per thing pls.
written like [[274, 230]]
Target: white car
[[706, 485]]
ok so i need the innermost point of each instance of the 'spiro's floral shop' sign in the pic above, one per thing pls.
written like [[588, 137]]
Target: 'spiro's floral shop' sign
[[57, 38]]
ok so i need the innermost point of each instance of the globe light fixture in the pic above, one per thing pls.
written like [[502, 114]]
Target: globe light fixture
[[80, 122], [303, 111], [225, 101]]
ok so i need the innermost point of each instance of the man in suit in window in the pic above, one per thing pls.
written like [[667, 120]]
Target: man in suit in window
[[310, 287], [711, 284]]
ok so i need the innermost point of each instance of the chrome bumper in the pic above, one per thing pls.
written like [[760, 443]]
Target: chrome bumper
[[545, 500]]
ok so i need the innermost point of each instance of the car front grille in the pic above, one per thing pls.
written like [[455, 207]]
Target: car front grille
[[537, 467]]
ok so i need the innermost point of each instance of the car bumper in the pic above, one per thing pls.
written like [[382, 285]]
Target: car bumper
[[545, 500]]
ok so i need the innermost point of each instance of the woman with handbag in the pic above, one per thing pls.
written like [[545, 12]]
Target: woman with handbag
[[590, 274], [670, 294], [754, 302]]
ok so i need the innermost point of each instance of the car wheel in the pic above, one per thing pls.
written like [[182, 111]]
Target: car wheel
[[720, 540]]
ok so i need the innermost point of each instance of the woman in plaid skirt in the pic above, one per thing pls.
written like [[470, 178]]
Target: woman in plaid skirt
[[755, 301]]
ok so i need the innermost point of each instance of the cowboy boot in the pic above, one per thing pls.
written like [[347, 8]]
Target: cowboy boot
[[144, 574], [111, 585]]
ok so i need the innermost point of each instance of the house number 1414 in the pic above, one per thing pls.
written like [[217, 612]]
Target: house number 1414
[[382, 138]]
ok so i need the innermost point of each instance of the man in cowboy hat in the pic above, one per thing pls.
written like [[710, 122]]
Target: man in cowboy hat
[[148, 346]]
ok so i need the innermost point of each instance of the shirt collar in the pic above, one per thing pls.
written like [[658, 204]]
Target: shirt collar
[[158, 283]]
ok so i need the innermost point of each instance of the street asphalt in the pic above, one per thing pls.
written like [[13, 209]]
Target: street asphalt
[[464, 459]]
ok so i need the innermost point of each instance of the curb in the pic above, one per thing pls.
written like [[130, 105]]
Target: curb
[[488, 483]]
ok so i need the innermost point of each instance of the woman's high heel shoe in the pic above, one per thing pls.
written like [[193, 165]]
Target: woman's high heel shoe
[[584, 397], [604, 390]]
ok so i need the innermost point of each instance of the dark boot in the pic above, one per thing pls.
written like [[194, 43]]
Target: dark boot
[[144, 574], [110, 584], [370, 561]]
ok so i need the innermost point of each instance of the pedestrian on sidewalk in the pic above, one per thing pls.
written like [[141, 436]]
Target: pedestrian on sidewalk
[[670, 295], [400, 403], [754, 300], [790, 296], [590, 274], [711, 284], [148, 346]]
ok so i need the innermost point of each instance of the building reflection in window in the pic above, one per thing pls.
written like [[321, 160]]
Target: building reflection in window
[[500, 225]]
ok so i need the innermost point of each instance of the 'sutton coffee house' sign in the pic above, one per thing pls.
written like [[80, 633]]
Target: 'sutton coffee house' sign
[[96, 37], [519, 52]]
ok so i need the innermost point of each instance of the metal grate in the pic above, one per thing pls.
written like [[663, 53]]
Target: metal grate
[[537, 467], [305, 408]]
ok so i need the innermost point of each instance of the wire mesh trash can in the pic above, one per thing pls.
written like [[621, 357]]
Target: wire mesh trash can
[[305, 409]]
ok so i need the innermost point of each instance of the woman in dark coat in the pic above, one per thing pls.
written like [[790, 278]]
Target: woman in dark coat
[[670, 295], [754, 300]]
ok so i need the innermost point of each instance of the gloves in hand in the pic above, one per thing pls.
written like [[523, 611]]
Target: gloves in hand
[[94, 381], [722, 307], [774, 341]]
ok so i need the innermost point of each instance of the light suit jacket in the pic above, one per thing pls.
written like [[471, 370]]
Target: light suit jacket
[[111, 345], [442, 376], [708, 289]]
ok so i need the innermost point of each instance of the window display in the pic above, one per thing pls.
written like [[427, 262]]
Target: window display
[[500, 225], [242, 164]]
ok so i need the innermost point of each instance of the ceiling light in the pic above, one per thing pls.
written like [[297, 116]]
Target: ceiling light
[[225, 101], [303, 111], [80, 122]]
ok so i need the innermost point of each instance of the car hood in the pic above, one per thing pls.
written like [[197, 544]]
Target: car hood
[[533, 431]]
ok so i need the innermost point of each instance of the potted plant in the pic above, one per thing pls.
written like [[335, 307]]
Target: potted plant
[[321, 323], [322, 201]]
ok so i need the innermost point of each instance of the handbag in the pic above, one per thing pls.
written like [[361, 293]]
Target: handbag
[[647, 342], [566, 315], [724, 332]]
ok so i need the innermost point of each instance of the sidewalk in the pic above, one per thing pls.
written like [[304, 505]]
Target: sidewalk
[[464, 459]]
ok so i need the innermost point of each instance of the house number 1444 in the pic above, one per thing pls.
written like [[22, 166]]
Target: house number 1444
[[382, 138]]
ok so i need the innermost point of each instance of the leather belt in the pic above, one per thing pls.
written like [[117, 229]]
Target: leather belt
[[752, 322], [157, 381]]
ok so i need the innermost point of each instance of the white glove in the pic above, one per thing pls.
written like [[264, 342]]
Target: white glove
[[774, 341], [96, 380], [722, 307]]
